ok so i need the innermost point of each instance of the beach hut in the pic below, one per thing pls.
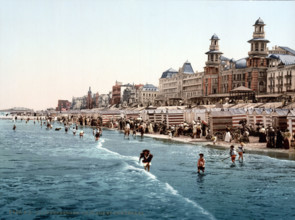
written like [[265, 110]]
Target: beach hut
[[219, 121], [237, 115], [174, 117], [280, 119], [110, 115]]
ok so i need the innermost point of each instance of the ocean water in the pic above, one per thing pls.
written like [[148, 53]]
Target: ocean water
[[48, 174]]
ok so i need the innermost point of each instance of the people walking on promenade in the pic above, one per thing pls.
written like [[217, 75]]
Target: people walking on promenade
[[201, 163], [280, 139], [287, 136]]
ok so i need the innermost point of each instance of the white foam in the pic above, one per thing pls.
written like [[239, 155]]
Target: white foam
[[168, 187]]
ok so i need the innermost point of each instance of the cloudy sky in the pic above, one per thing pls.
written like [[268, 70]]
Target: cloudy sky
[[56, 49]]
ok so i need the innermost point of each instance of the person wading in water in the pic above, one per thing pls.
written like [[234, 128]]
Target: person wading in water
[[146, 157]]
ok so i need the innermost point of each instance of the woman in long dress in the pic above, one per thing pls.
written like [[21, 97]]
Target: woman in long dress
[[227, 136]]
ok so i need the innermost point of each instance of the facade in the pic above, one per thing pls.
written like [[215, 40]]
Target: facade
[[104, 100], [79, 103], [180, 86], [281, 70], [256, 72], [116, 94], [63, 105], [148, 94]]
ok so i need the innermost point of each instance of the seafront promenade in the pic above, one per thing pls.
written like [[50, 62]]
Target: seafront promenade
[[179, 123]]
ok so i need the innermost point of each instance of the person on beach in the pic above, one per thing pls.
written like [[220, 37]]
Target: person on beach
[[66, 129], [146, 157], [227, 136], [201, 163], [233, 153], [241, 151]]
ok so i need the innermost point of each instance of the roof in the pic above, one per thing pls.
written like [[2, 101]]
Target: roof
[[259, 21], [187, 68], [213, 51], [214, 37], [258, 39], [288, 49], [241, 89], [169, 73], [223, 58], [241, 63], [285, 59], [149, 87]]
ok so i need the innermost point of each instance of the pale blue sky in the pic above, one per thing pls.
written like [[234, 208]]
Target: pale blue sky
[[55, 49]]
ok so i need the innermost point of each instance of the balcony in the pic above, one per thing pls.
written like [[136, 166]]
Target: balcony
[[288, 76], [279, 85], [271, 78], [279, 77], [288, 84]]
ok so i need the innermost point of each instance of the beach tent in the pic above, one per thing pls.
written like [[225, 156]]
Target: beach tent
[[280, 119]]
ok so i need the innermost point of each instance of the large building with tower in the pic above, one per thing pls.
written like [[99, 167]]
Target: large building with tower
[[268, 73]]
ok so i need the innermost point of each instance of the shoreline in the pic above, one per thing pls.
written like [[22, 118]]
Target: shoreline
[[251, 148]]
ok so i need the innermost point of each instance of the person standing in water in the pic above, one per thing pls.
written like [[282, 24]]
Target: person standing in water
[[201, 163], [233, 153], [241, 151], [14, 127], [81, 134], [146, 157], [74, 131]]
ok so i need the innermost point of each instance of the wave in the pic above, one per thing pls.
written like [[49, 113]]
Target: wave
[[149, 175]]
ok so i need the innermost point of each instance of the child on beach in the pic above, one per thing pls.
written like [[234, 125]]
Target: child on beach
[[233, 153], [201, 163], [241, 150]]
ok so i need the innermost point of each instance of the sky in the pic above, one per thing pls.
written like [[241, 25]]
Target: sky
[[56, 49]]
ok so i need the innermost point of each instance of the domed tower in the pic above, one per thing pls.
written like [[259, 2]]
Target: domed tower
[[213, 53], [257, 61], [258, 52], [211, 81]]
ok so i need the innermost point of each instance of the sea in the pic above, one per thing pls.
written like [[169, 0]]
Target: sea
[[49, 174]]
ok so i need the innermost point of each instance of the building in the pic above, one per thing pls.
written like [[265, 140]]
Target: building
[[63, 105], [104, 100], [89, 101], [176, 87], [148, 94], [79, 103], [116, 94], [262, 71], [281, 71]]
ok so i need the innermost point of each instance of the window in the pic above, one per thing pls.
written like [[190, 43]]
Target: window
[[256, 46], [262, 47]]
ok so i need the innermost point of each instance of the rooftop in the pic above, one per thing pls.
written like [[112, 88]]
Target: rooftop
[[285, 59], [214, 37], [259, 21], [169, 73], [187, 68]]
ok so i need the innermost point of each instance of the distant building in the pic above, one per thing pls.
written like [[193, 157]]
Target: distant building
[[148, 94], [176, 87], [116, 94], [104, 100], [63, 105], [79, 103]]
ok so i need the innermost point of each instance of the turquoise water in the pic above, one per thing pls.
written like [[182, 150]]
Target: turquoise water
[[48, 174]]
